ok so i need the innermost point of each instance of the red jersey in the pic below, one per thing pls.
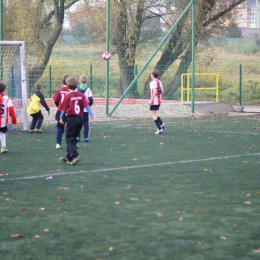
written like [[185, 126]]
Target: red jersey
[[74, 104], [6, 108], [59, 96], [156, 87]]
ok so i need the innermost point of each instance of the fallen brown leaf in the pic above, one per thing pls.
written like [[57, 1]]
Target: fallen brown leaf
[[16, 236]]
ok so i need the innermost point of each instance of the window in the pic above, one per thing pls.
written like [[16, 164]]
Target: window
[[252, 15], [239, 17]]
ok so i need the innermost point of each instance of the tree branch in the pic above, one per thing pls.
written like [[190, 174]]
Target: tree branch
[[220, 14]]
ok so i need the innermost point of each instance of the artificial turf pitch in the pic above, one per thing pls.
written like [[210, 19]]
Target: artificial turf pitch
[[191, 193]]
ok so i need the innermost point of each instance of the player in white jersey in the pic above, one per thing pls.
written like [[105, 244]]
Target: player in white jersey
[[6, 108], [83, 88], [156, 90]]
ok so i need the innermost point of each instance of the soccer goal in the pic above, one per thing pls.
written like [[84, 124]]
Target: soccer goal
[[13, 74]]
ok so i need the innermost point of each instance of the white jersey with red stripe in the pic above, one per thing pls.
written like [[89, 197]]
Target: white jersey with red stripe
[[5, 103], [156, 86], [88, 94]]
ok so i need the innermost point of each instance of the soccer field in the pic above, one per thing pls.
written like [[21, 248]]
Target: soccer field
[[190, 193]]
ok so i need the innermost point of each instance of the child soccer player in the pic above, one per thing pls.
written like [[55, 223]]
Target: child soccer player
[[89, 96], [73, 107], [34, 110], [156, 89], [6, 108], [58, 100]]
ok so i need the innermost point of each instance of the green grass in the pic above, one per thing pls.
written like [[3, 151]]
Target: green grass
[[191, 193]]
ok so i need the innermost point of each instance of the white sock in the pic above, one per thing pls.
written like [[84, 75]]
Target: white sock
[[3, 139]]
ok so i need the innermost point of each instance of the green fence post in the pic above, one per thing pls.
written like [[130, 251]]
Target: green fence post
[[240, 85], [1, 37], [90, 77], [50, 80], [193, 77], [108, 50], [185, 83]]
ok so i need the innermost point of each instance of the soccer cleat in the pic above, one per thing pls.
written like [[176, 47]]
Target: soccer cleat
[[78, 139], [31, 131], [77, 146], [3, 150], [58, 146], [38, 131], [74, 161], [87, 139], [158, 132], [64, 159], [163, 125]]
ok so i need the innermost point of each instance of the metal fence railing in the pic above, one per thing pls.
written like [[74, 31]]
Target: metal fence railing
[[237, 83]]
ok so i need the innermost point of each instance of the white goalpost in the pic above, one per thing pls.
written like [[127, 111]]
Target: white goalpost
[[13, 74]]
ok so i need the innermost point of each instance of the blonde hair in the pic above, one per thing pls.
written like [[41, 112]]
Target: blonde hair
[[83, 79]]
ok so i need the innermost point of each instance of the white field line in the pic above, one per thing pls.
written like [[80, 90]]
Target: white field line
[[132, 167]]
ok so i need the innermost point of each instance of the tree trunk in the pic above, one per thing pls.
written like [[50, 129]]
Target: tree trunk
[[128, 35], [46, 47]]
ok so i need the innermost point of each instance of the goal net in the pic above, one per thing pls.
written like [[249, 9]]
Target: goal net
[[13, 74]]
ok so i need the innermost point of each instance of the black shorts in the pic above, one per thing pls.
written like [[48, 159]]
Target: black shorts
[[3, 129], [57, 117], [154, 107]]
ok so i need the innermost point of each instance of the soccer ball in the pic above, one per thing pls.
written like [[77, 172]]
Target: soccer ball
[[106, 56]]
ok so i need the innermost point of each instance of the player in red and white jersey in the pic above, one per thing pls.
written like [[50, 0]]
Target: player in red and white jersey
[[6, 108], [156, 90], [58, 98], [73, 107]]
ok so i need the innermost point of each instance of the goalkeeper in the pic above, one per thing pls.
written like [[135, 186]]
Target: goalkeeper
[[6, 107], [34, 110]]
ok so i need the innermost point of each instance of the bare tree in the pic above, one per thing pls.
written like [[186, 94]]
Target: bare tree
[[39, 23], [211, 16]]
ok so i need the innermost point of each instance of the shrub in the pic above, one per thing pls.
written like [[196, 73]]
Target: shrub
[[234, 31], [249, 48]]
